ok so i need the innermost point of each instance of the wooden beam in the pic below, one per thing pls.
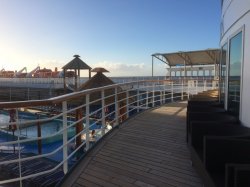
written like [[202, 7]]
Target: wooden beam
[[79, 126], [160, 59], [185, 57], [212, 55], [64, 80]]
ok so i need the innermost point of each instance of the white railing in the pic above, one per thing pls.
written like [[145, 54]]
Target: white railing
[[59, 82], [72, 118]]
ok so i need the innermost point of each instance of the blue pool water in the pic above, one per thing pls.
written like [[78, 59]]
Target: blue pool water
[[47, 128]]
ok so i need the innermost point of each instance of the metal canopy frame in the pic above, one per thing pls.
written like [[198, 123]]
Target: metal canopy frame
[[188, 58]]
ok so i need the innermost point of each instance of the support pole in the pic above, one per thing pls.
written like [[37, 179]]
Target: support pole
[[127, 103], [19, 148], [196, 86], [75, 80], [116, 108], [87, 122], [78, 77], [153, 96], [152, 65], [39, 134], [65, 137], [138, 98], [170, 72], [79, 127], [182, 89], [185, 70], [89, 73], [103, 114], [172, 92], [64, 80]]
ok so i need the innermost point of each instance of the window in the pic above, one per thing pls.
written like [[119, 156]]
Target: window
[[234, 74], [223, 72]]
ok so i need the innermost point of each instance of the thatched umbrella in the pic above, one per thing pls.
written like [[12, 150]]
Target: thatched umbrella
[[99, 80], [75, 64]]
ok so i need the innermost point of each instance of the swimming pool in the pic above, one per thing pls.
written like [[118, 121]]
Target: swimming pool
[[47, 128]]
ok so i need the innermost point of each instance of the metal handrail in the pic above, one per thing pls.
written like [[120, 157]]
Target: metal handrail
[[134, 97]]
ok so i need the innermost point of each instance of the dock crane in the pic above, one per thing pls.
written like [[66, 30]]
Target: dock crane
[[20, 73], [30, 74]]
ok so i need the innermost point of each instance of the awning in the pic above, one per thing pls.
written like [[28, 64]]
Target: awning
[[190, 58]]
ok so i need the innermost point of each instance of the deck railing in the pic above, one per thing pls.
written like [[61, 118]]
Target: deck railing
[[73, 118], [52, 82]]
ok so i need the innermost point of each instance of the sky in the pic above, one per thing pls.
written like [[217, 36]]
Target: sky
[[119, 35]]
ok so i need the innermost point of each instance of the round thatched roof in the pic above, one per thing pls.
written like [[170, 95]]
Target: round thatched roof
[[76, 63], [98, 80], [99, 70]]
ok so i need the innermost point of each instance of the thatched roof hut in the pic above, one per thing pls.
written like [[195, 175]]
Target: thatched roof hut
[[76, 64], [99, 80]]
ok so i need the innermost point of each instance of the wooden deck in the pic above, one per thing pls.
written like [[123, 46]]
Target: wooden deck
[[148, 150]]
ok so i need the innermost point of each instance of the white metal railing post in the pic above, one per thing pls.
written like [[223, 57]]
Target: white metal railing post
[[196, 86], [147, 98], [182, 90], [138, 98], [164, 95], [10, 94], [153, 96], [116, 108], [19, 148], [172, 91], [127, 104], [65, 137], [28, 94], [161, 94], [223, 88], [103, 114], [188, 89], [87, 122], [235, 92]]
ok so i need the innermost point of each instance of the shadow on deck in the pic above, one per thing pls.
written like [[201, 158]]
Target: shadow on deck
[[148, 150]]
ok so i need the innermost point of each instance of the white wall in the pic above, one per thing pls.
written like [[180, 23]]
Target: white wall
[[235, 16]]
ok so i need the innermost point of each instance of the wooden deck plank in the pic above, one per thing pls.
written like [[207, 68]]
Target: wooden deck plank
[[138, 176], [153, 164], [153, 157], [147, 150], [150, 166], [82, 182], [124, 162]]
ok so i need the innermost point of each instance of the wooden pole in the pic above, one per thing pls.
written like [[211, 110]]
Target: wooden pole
[[39, 134], [79, 77], [64, 80], [75, 80], [79, 126], [89, 73]]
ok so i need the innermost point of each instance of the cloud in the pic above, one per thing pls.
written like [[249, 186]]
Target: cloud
[[126, 69], [122, 69], [113, 67]]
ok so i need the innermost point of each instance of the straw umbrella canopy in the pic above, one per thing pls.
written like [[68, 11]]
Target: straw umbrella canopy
[[76, 64], [98, 80]]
